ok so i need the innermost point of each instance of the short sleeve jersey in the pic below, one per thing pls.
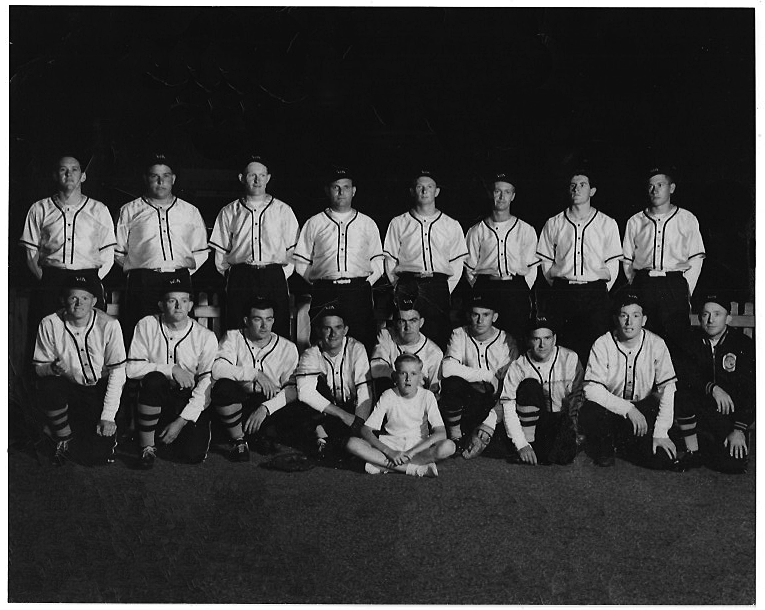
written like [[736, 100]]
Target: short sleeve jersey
[[255, 234], [631, 374], [239, 359], [345, 373], [663, 243], [560, 377], [336, 246], [419, 244], [579, 250], [156, 347], [406, 417], [492, 354], [150, 237], [501, 249], [69, 236]]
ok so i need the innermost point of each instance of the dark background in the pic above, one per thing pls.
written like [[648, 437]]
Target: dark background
[[388, 91]]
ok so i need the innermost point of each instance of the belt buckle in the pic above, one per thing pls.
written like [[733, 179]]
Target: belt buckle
[[655, 273], [424, 274], [576, 282], [342, 280]]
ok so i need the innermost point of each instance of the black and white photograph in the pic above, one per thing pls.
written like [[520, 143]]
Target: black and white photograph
[[381, 304]]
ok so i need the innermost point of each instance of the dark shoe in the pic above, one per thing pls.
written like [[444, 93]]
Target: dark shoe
[[239, 452], [62, 454], [148, 455], [691, 459]]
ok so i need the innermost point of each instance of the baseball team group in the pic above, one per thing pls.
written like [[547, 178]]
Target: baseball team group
[[533, 376]]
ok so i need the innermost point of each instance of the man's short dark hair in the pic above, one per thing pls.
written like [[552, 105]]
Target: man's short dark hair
[[260, 303]]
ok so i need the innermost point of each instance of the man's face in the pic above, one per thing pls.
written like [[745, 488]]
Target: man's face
[[660, 189], [713, 319], [504, 193], [408, 325], [481, 320], [69, 174], [408, 378], [159, 181], [630, 321], [579, 189], [332, 330], [341, 193], [78, 304], [425, 190], [255, 178], [541, 344], [176, 306], [259, 323]]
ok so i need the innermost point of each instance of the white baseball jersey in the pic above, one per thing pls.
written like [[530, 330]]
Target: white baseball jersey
[[561, 379], [474, 360], [157, 347], [239, 359], [163, 239], [388, 349], [333, 246], [420, 244], [406, 417], [502, 249], [618, 375], [254, 234], [668, 242], [347, 376], [70, 236], [580, 250], [87, 354]]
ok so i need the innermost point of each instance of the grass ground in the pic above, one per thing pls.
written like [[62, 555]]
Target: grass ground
[[483, 532]]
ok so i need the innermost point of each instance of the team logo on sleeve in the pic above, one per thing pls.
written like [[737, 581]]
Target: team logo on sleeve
[[729, 363]]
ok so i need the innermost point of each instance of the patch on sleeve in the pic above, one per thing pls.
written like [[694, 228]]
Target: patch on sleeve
[[729, 362]]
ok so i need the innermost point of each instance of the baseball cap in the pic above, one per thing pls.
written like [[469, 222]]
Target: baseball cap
[[714, 297], [82, 282], [179, 282], [338, 173], [158, 158], [505, 176]]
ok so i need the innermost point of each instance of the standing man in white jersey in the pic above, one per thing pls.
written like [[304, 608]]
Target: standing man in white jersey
[[424, 254], [663, 255], [159, 237], [629, 390], [79, 360], [172, 356], [502, 258], [475, 364], [405, 338], [254, 374], [66, 234], [339, 252], [579, 250], [253, 239]]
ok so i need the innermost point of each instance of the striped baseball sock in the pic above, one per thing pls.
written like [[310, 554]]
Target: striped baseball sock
[[231, 417], [148, 418], [58, 422], [687, 426], [529, 416]]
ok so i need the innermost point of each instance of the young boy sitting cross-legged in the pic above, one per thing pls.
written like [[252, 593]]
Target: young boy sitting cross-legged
[[414, 437]]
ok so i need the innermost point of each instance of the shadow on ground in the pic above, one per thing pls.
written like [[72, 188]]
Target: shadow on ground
[[484, 532]]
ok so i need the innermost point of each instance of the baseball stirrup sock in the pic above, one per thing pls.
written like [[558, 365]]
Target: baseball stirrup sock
[[148, 418], [231, 418], [687, 426], [58, 422], [529, 416]]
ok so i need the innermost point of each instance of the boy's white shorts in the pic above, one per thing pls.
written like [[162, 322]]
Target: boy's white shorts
[[400, 443]]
